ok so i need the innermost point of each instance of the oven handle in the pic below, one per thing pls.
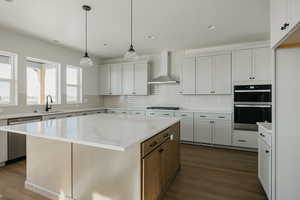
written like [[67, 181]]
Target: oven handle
[[253, 106], [240, 91]]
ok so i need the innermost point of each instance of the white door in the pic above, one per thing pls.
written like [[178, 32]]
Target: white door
[[222, 74], [204, 77], [116, 79], [105, 80], [3, 143], [141, 79], [188, 76], [186, 126], [222, 132], [242, 65], [279, 16], [262, 69], [128, 79], [203, 131]]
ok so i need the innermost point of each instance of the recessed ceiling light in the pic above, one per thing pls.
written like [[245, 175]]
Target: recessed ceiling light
[[105, 45], [55, 41], [9, 0], [150, 37], [211, 27]]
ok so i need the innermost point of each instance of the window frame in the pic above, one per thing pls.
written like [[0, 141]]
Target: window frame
[[13, 99], [58, 78], [78, 86]]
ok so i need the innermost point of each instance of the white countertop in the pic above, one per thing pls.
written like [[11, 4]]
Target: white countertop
[[114, 132], [58, 112], [266, 126]]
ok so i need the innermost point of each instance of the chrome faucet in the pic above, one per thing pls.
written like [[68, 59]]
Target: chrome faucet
[[48, 106]]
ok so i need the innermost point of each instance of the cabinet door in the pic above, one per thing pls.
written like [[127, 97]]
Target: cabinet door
[[264, 166], [141, 79], [186, 126], [116, 79], [128, 79], [105, 80], [294, 14], [202, 131], [204, 75], [242, 65], [3, 143], [152, 175], [262, 70], [222, 132], [188, 76], [279, 16], [222, 74]]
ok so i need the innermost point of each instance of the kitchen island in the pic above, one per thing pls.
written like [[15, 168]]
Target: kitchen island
[[101, 156]]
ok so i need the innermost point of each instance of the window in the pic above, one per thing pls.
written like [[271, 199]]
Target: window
[[42, 80], [74, 84], [8, 79]]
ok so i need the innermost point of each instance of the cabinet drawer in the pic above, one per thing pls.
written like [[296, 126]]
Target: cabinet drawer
[[246, 139], [184, 114], [151, 144], [266, 137], [213, 116]]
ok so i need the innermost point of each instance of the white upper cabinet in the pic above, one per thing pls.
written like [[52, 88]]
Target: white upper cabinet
[[285, 16], [242, 65], [204, 69], [222, 74], [105, 88], [116, 79], [262, 70], [188, 77], [252, 65], [140, 79], [124, 79], [128, 79]]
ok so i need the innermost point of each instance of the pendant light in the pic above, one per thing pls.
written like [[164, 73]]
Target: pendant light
[[131, 53], [86, 61]]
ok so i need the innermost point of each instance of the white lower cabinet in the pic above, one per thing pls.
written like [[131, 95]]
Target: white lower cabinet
[[186, 126], [213, 128], [3, 144], [264, 166]]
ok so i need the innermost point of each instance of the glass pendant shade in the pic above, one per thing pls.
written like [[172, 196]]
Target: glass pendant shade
[[86, 61], [131, 54]]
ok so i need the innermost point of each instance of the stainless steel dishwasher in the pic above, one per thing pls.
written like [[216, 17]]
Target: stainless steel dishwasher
[[16, 143]]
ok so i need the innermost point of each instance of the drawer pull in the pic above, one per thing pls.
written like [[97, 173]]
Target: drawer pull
[[153, 144], [267, 151], [221, 117], [166, 135], [69, 116], [202, 116], [242, 140], [166, 114], [183, 115], [161, 150]]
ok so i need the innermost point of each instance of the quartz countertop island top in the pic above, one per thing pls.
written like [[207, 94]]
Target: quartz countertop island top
[[266, 126], [114, 132]]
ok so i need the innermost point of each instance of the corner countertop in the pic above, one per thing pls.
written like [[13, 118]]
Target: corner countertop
[[108, 131], [267, 127]]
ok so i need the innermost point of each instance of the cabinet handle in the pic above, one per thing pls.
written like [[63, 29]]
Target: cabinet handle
[[267, 151], [212, 92], [242, 140], [161, 150], [153, 144], [183, 115], [166, 114], [69, 116], [221, 117], [166, 135], [202, 116], [262, 135]]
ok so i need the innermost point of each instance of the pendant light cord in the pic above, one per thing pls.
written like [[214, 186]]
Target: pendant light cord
[[131, 11], [86, 27]]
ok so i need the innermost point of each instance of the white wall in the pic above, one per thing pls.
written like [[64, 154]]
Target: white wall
[[26, 46], [168, 94]]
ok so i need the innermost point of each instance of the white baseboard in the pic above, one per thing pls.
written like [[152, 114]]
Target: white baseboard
[[46, 193]]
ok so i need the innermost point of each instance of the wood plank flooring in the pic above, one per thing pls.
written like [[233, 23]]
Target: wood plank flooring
[[206, 174], [216, 174]]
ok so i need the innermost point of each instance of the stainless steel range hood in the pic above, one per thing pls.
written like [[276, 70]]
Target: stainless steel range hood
[[164, 77]]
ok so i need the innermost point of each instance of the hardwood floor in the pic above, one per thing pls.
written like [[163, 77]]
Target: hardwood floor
[[206, 174], [216, 174]]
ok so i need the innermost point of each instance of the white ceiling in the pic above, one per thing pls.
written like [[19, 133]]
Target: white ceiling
[[176, 24]]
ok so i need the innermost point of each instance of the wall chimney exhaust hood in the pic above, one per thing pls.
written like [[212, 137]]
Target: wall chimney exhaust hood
[[164, 77]]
